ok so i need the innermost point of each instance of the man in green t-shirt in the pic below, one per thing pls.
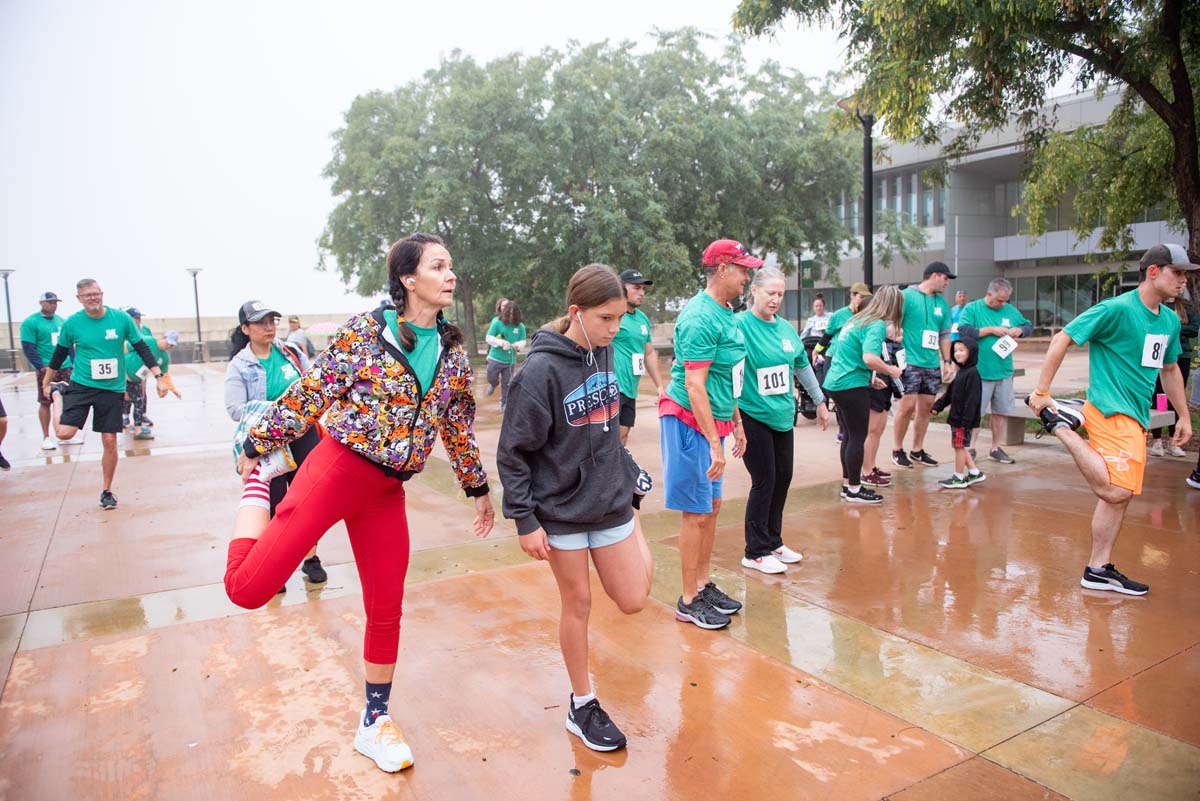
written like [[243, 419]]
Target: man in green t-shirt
[[633, 350], [98, 334], [997, 325], [926, 326], [1132, 339], [39, 335]]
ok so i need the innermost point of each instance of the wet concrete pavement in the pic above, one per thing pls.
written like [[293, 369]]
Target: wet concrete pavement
[[936, 647]]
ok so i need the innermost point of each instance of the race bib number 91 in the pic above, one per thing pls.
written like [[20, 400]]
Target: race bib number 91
[[774, 380], [1154, 349], [103, 369]]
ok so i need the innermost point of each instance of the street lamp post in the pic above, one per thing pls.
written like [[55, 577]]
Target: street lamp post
[[852, 104], [196, 294], [12, 344]]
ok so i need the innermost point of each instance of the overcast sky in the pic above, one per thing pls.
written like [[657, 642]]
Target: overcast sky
[[143, 137]]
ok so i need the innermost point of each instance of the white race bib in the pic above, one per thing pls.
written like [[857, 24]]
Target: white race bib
[[774, 380], [901, 359], [929, 339], [54, 340], [1004, 346], [104, 369], [739, 378], [954, 328], [639, 364], [1154, 350]]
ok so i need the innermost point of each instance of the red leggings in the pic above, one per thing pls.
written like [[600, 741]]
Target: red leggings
[[333, 484]]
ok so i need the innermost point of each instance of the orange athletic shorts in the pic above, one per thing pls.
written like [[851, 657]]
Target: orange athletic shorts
[[1121, 440]]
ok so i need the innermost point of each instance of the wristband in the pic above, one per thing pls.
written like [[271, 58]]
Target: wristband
[[1041, 394]]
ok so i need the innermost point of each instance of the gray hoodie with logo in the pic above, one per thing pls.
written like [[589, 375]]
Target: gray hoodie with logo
[[560, 456]]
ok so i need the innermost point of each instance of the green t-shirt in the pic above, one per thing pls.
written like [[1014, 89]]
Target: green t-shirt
[[133, 362], [99, 347], [705, 331], [854, 342], [281, 373], [629, 349], [836, 321], [510, 334], [773, 352], [992, 366], [1127, 346], [43, 332], [926, 318], [424, 355]]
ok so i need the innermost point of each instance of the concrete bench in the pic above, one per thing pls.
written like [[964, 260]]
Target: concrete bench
[[1014, 424]]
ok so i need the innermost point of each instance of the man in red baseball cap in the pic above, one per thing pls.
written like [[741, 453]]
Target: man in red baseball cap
[[729, 251]]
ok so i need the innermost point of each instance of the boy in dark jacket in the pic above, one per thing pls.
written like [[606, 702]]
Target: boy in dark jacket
[[963, 396]]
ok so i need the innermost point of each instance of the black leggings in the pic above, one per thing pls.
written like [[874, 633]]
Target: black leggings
[[856, 416], [768, 457]]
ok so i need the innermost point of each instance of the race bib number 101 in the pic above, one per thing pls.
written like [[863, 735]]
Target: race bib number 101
[[774, 380]]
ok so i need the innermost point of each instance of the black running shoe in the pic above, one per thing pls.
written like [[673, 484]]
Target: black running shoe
[[4, 465], [1193, 480], [312, 570], [900, 459], [1109, 578], [921, 457], [644, 481], [592, 724], [701, 613], [719, 600], [108, 500], [864, 495], [1066, 415], [58, 386]]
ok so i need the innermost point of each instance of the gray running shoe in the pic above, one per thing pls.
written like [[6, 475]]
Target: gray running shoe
[[701, 613], [719, 600], [998, 454]]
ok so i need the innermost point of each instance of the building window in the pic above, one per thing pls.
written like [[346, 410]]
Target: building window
[[914, 181], [1046, 312]]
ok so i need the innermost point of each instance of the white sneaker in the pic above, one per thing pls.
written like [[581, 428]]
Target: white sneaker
[[787, 555], [384, 743], [276, 463], [48, 444], [1176, 451], [1156, 448], [766, 564]]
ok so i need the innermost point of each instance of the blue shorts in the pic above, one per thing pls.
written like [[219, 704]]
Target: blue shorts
[[590, 539], [686, 458]]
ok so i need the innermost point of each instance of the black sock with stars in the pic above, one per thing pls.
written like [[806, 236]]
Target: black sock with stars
[[377, 701]]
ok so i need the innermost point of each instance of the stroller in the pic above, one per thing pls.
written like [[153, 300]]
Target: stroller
[[805, 406]]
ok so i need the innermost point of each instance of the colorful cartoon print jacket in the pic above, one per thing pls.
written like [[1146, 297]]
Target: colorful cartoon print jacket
[[375, 406]]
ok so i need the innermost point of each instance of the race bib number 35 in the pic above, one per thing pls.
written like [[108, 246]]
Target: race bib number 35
[[103, 369], [1154, 349], [639, 364], [774, 380], [739, 378]]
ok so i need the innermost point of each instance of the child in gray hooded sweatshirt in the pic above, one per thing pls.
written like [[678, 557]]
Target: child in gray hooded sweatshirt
[[568, 482]]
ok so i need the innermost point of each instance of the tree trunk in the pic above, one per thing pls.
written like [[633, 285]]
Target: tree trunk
[[471, 342], [1186, 171]]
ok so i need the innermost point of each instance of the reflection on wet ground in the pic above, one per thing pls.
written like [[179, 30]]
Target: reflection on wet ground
[[936, 647]]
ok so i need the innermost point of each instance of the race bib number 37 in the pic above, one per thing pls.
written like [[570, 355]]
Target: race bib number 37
[[773, 380], [104, 369], [1154, 349]]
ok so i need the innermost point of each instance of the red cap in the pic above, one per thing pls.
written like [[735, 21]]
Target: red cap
[[726, 251]]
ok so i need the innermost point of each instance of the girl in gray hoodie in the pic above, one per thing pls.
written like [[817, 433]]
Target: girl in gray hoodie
[[568, 482]]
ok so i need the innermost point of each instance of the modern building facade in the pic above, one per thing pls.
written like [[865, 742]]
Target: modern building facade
[[970, 225]]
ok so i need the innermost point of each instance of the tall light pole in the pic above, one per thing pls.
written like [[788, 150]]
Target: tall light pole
[[854, 104], [12, 344], [196, 294]]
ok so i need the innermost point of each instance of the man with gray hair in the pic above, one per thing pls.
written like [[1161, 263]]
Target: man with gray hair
[[997, 325]]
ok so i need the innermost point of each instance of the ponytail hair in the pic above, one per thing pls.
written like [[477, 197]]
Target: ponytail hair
[[402, 261], [592, 285], [238, 340]]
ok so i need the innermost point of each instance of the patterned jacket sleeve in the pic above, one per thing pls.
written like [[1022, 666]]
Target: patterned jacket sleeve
[[458, 436], [309, 396]]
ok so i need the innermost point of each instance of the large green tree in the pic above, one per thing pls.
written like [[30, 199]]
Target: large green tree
[[532, 167], [980, 62]]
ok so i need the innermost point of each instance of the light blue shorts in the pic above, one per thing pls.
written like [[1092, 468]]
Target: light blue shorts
[[590, 539], [686, 458]]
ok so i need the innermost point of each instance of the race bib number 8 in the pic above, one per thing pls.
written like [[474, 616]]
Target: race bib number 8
[[1004, 346], [739, 378], [103, 369], [639, 364], [774, 380], [929, 339], [1154, 350]]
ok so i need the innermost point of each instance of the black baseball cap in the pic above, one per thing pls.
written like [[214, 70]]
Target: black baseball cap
[[635, 277], [133, 311], [254, 310], [1168, 256], [935, 267]]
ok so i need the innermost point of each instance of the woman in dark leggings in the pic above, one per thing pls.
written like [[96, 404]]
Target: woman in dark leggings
[[859, 350]]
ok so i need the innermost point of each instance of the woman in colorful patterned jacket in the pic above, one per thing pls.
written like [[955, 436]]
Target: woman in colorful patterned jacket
[[392, 381]]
